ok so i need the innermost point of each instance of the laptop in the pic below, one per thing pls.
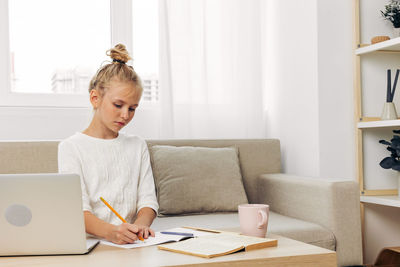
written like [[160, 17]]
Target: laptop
[[41, 214]]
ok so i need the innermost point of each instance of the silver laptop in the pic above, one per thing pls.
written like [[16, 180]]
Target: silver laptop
[[41, 214]]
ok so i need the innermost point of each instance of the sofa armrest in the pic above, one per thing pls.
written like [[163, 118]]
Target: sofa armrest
[[334, 205]]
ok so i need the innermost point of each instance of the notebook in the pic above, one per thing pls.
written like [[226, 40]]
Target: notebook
[[41, 214], [219, 244], [166, 236]]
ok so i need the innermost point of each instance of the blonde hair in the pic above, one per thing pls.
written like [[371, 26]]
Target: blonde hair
[[116, 69]]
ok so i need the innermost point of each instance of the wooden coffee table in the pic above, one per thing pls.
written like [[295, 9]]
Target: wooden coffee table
[[288, 253]]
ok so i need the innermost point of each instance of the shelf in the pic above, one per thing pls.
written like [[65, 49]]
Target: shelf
[[392, 201], [392, 45], [379, 124]]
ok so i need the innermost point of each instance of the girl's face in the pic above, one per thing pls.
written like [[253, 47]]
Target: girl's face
[[116, 107]]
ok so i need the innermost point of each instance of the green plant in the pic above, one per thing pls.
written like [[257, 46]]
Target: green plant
[[392, 162], [392, 12]]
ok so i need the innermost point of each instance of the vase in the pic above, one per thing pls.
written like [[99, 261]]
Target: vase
[[398, 185], [396, 32], [389, 111]]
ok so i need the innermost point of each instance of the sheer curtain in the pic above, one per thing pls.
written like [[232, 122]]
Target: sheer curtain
[[211, 69]]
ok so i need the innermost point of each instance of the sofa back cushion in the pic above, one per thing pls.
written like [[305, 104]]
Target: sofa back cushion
[[28, 157], [256, 156], [197, 179]]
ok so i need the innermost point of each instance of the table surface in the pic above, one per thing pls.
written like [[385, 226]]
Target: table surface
[[288, 253]]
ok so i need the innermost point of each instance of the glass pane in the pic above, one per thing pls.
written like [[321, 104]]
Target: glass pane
[[145, 46], [57, 46]]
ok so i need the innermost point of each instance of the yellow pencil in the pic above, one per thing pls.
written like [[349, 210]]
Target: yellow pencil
[[116, 213]]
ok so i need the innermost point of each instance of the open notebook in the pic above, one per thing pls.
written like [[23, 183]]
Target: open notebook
[[219, 244], [161, 238]]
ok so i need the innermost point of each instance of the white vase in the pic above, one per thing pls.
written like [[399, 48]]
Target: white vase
[[396, 32], [398, 185], [389, 111]]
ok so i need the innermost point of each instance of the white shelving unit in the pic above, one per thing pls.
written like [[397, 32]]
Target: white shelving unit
[[379, 199], [379, 124], [387, 197], [392, 45], [392, 201]]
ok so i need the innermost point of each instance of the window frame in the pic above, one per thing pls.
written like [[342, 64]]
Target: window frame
[[121, 32]]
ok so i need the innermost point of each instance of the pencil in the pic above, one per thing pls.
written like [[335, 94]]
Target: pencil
[[116, 213]]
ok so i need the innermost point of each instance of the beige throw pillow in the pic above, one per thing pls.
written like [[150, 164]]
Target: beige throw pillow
[[197, 179]]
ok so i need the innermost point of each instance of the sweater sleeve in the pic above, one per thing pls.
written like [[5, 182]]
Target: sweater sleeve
[[69, 162], [146, 190]]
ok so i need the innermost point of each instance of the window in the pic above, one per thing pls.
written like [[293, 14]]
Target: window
[[145, 40], [53, 48], [58, 47]]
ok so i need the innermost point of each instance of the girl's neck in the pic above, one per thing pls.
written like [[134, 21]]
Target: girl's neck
[[99, 131]]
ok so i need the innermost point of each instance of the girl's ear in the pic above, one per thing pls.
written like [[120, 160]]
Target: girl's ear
[[95, 98]]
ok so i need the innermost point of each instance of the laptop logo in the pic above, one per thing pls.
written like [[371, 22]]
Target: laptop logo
[[18, 215]]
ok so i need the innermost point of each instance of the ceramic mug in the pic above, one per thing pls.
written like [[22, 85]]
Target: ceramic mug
[[253, 219]]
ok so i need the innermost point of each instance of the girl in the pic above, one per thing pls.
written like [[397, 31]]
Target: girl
[[113, 165]]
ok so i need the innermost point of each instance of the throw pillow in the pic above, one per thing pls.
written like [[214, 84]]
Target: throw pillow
[[197, 179]]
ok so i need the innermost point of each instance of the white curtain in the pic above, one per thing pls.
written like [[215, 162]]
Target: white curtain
[[211, 69]]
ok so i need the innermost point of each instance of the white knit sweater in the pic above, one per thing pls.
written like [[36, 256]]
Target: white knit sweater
[[116, 169]]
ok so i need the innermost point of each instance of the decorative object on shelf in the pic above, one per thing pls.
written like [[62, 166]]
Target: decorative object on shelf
[[378, 39], [393, 162], [389, 109], [392, 14], [396, 32]]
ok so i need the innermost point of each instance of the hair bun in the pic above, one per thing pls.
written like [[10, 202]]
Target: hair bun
[[119, 53]]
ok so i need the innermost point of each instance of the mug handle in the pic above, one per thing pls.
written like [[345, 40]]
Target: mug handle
[[264, 218]]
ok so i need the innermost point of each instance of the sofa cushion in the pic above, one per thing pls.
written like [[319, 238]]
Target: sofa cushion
[[197, 179], [296, 229], [28, 157], [303, 231]]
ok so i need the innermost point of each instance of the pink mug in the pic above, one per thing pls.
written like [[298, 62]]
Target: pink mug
[[253, 219]]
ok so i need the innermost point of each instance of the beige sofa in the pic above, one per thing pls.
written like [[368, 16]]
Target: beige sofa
[[319, 212]]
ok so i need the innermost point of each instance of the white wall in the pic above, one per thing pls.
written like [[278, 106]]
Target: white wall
[[309, 89], [335, 89], [291, 70]]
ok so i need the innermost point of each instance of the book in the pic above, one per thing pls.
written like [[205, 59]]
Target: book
[[218, 244]]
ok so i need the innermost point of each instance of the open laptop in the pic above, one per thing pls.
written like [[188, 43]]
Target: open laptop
[[41, 214]]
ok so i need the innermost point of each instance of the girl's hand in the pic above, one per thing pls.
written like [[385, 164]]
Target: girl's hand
[[125, 233], [144, 231]]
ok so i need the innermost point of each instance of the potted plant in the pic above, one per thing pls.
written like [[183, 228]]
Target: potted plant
[[392, 14], [393, 161]]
